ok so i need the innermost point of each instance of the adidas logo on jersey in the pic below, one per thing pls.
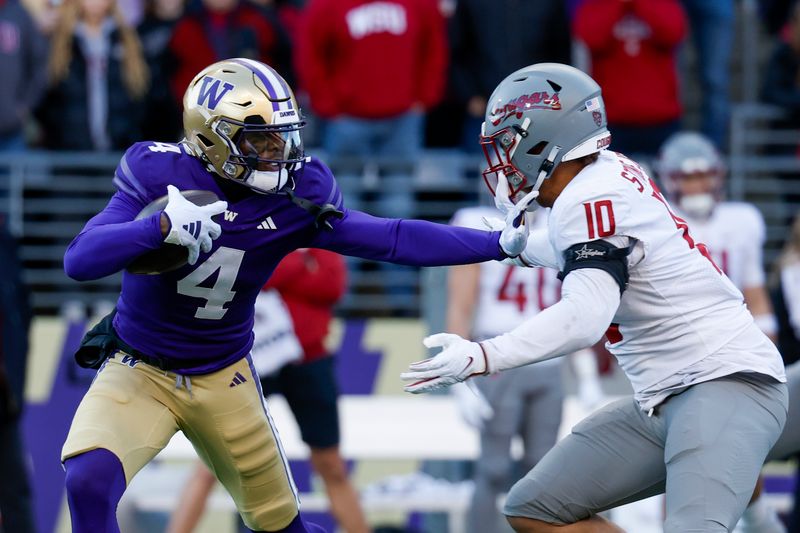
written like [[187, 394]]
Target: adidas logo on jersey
[[267, 224], [193, 228], [238, 379], [230, 216]]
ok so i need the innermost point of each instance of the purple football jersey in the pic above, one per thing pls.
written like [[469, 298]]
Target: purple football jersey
[[203, 313]]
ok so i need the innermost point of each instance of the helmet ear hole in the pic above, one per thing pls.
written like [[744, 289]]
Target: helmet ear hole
[[205, 140], [255, 120], [537, 148]]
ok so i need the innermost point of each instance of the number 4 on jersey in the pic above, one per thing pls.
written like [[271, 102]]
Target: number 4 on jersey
[[161, 148], [225, 260]]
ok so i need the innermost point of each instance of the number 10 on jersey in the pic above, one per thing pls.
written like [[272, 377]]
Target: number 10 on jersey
[[600, 219]]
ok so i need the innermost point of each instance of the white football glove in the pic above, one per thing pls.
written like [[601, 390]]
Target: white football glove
[[191, 225], [514, 236], [473, 406], [458, 360]]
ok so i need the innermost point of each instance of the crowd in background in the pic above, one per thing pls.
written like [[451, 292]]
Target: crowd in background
[[381, 78]]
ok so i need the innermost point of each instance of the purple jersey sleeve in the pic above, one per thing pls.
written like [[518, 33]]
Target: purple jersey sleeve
[[112, 239], [406, 242]]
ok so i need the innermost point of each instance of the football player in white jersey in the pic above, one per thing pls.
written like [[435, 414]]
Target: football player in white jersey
[[485, 300], [692, 173], [709, 387]]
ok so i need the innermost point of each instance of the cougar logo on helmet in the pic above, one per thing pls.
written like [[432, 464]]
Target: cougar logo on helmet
[[520, 104]]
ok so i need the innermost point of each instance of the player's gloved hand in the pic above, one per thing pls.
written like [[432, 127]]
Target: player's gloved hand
[[458, 360], [514, 236], [191, 225], [472, 404], [496, 224]]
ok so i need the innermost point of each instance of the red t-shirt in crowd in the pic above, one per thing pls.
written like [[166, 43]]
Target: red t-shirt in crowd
[[633, 47], [310, 281], [371, 59], [203, 37]]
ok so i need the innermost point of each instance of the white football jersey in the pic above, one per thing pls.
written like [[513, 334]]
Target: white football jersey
[[735, 234], [508, 294], [679, 315]]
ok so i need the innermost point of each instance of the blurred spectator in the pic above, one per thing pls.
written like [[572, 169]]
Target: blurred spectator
[[782, 77], [290, 13], [292, 317], [775, 13], [15, 317], [490, 39], [44, 13], [711, 23], [98, 79], [372, 68], [632, 45], [162, 115], [23, 54], [218, 29]]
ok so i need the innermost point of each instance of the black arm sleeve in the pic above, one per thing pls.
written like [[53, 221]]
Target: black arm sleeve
[[601, 255]]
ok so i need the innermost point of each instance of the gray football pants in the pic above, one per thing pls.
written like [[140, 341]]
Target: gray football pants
[[789, 441], [527, 401], [704, 447]]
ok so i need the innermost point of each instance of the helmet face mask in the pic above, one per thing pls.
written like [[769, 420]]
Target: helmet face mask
[[242, 118], [499, 149], [536, 118]]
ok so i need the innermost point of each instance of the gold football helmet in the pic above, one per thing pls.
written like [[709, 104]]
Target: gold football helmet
[[242, 119]]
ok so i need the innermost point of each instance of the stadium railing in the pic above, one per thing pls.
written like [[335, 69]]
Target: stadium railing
[[764, 168], [47, 197]]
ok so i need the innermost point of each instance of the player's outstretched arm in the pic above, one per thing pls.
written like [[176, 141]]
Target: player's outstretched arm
[[111, 240], [409, 242], [590, 298]]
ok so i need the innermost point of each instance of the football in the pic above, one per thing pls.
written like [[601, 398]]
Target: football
[[169, 256]]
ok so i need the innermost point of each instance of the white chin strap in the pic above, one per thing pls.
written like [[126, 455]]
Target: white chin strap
[[267, 181], [698, 205], [543, 174]]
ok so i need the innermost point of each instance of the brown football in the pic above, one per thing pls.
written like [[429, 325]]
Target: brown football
[[169, 256]]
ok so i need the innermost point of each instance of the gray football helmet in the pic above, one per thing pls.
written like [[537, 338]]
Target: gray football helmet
[[691, 155], [538, 117]]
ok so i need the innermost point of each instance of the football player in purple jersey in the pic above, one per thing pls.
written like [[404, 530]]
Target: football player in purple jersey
[[180, 340]]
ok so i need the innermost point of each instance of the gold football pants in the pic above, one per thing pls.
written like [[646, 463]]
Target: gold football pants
[[133, 410]]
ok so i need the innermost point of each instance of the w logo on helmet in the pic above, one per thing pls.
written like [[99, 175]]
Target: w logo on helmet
[[210, 90]]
